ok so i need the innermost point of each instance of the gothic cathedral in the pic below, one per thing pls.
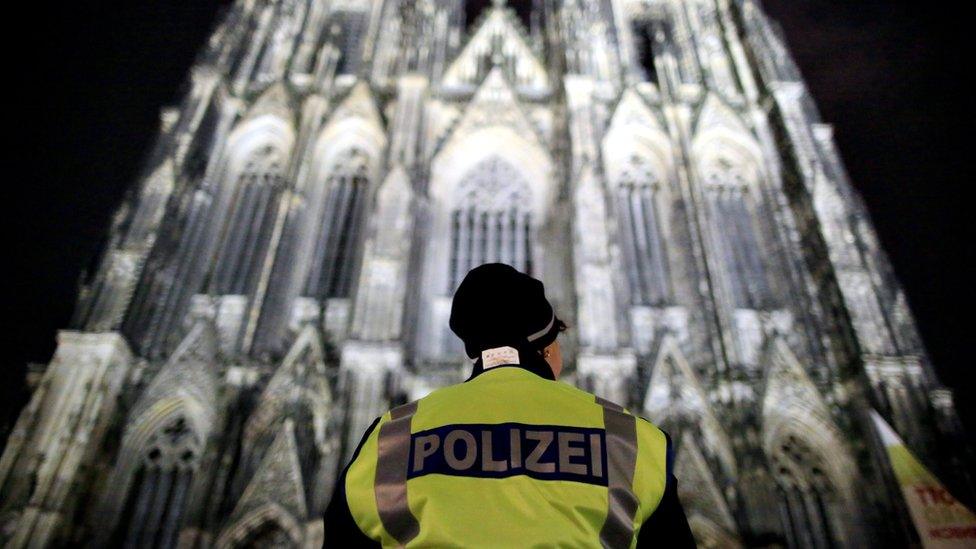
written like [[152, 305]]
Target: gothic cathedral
[[282, 273]]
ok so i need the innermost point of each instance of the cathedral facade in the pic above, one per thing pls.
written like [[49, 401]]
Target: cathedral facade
[[282, 273]]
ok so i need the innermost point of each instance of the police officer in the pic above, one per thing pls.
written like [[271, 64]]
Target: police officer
[[510, 457]]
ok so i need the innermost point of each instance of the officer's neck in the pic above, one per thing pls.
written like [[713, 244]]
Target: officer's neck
[[538, 367]]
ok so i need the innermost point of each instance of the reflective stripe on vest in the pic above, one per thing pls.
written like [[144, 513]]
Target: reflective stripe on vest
[[390, 485], [621, 429]]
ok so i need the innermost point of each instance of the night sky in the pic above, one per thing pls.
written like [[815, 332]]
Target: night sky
[[889, 75]]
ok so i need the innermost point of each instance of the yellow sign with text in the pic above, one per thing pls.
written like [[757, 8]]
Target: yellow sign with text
[[941, 521]]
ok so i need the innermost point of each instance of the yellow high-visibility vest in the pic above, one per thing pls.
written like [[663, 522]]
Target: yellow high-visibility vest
[[508, 459]]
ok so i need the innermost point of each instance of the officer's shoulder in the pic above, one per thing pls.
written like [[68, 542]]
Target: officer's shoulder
[[573, 392], [439, 394], [642, 422], [650, 427]]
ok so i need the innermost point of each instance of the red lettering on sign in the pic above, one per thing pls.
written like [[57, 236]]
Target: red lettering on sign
[[954, 532]]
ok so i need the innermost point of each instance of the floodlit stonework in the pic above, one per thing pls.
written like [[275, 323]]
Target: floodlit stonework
[[283, 271]]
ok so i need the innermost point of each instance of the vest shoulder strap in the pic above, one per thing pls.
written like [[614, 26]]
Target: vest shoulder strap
[[622, 503], [390, 486]]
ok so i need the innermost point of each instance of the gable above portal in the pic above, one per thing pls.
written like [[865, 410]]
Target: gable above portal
[[499, 43]]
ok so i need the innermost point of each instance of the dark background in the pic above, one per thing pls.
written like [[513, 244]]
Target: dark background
[[889, 75]]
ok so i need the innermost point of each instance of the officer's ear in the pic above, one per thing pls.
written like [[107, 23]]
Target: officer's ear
[[553, 356]]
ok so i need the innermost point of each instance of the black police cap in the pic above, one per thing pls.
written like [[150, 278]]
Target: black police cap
[[496, 305]]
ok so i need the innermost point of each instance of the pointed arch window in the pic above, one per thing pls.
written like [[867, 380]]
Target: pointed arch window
[[250, 219], [267, 536], [732, 206], [339, 229], [492, 221], [159, 493], [353, 24], [806, 494], [640, 225], [645, 36]]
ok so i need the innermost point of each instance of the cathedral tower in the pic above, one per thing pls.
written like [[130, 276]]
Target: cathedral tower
[[282, 272]]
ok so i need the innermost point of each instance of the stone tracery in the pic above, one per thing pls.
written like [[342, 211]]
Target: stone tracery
[[491, 220], [245, 241], [639, 211], [340, 226], [158, 495], [733, 202]]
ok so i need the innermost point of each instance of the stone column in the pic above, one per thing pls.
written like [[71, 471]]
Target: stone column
[[602, 365], [58, 435], [374, 349]]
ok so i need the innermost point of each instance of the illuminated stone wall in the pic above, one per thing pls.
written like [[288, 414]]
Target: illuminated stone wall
[[282, 273]]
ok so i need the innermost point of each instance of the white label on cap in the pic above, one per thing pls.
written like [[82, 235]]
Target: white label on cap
[[499, 355]]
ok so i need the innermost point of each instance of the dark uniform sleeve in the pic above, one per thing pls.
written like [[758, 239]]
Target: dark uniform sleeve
[[668, 526], [340, 528]]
